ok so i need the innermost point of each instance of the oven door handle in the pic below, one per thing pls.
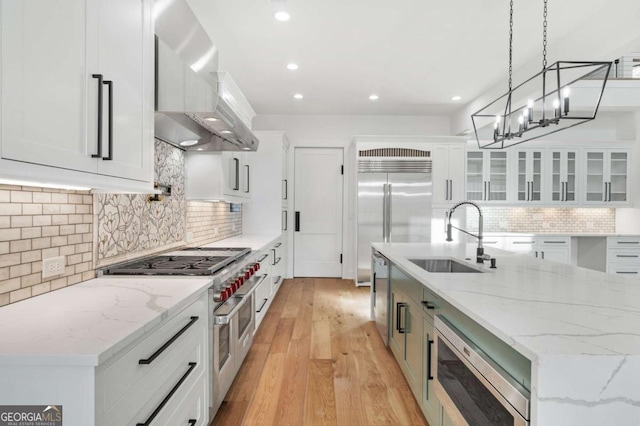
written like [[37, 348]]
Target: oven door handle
[[429, 355], [221, 317]]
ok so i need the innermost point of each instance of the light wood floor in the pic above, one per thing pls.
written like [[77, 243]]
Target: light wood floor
[[317, 359]]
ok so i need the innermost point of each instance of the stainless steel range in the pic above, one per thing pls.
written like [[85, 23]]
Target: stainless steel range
[[231, 303]]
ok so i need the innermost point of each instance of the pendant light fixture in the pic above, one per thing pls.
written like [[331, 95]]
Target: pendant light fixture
[[542, 105]]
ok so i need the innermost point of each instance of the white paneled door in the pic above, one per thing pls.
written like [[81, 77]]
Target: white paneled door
[[318, 212]]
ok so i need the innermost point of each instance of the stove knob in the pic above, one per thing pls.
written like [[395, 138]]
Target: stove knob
[[223, 295], [230, 291], [257, 266], [217, 296], [240, 280], [237, 284], [247, 275]]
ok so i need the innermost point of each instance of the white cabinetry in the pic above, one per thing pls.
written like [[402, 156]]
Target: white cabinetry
[[448, 173], [561, 166], [237, 174], [153, 379], [268, 214], [487, 176], [557, 249], [623, 255], [162, 375], [606, 176], [215, 176], [77, 92], [528, 182]]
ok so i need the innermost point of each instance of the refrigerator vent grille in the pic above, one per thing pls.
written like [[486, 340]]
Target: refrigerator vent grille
[[393, 165], [394, 152]]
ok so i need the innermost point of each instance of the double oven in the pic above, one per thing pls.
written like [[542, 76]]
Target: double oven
[[471, 387], [234, 276]]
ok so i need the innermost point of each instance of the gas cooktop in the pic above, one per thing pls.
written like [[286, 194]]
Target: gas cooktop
[[201, 261]]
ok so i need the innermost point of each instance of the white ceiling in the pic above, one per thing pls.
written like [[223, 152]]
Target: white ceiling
[[414, 54]]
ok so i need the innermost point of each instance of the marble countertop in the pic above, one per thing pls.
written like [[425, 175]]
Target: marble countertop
[[90, 322], [540, 308], [256, 242]]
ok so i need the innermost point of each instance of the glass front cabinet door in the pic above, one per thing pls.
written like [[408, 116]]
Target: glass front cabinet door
[[562, 176], [487, 176], [529, 175], [606, 176]]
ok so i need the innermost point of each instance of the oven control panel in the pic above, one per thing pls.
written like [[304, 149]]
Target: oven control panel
[[231, 285]]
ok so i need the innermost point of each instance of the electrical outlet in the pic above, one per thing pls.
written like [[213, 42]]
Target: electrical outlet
[[53, 266]]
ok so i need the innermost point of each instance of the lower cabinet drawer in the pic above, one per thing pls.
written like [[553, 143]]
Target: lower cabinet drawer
[[119, 377], [192, 410], [623, 242], [623, 255], [261, 297], [145, 399], [623, 269]]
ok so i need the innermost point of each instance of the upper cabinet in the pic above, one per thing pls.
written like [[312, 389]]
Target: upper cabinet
[[549, 176], [562, 166], [606, 176], [448, 173], [528, 182], [268, 212], [487, 176], [219, 176], [77, 90]]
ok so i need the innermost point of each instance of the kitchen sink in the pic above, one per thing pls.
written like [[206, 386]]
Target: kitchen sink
[[443, 265]]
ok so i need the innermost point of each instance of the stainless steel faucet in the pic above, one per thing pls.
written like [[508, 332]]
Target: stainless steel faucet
[[480, 256]]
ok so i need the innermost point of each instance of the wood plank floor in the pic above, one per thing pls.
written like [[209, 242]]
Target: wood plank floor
[[317, 359]]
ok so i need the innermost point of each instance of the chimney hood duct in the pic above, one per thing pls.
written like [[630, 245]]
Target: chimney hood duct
[[189, 112]]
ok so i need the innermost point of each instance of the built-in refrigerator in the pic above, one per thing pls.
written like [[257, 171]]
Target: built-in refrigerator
[[394, 205]]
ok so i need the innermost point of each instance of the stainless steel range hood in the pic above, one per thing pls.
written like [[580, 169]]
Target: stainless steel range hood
[[189, 112]]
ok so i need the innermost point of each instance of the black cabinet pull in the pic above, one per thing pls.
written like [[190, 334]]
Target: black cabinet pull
[[273, 262], [429, 376], [286, 189], [297, 222], [192, 422], [428, 305], [398, 316], [109, 84], [373, 284], [285, 225], [263, 258], [277, 261], [248, 177], [278, 245], [401, 330], [169, 342], [262, 306], [166, 399], [236, 165], [100, 83]]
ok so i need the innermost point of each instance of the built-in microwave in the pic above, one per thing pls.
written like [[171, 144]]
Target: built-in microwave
[[472, 388]]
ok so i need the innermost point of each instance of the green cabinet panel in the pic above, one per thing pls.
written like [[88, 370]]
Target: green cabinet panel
[[430, 404]]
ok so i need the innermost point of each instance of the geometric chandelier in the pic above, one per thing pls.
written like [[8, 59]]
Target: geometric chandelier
[[542, 104]]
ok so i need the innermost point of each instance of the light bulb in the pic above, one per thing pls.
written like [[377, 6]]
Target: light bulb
[[497, 119], [530, 103], [556, 103], [521, 120], [525, 113], [566, 92]]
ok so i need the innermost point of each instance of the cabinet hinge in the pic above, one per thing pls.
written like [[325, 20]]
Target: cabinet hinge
[[341, 170], [340, 258]]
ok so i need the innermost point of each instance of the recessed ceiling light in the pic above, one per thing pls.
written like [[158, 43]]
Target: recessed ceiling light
[[282, 16], [456, 98], [292, 66], [373, 97], [298, 96], [188, 143], [246, 148], [226, 132], [211, 119]]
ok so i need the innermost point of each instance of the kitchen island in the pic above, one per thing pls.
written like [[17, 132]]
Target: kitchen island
[[578, 328]]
